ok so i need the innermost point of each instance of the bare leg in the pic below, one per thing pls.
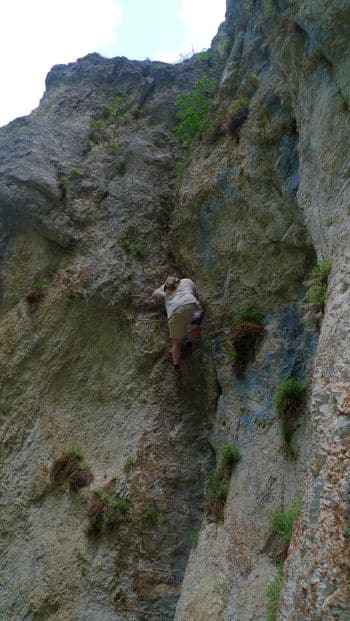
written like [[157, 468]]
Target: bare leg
[[176, 350]]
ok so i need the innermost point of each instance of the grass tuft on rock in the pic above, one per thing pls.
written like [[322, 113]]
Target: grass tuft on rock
[[216, 495], [273, 592], [316, 292], [150, 515], [107, 511], [231, 454], [282, 524], [289, 400]]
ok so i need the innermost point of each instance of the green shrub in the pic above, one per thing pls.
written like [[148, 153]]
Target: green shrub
[[317, 284], [114, 147], [316, 294], [233, 355], [121, 165], [205, 55], [217, 490], [75, 172], [273, 594], [282, 522], [107, 510], [322, 269], [226, 48], [74, 451], [150, 515], [249, 314], [193, 108], [290, 389], [195, 534], [135, 249], [62, 182], [231, 454]]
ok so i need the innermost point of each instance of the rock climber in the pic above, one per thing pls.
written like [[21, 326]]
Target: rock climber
[[183, 311]]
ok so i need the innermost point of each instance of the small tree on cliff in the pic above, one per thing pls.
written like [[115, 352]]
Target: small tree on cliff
[[193, 108]]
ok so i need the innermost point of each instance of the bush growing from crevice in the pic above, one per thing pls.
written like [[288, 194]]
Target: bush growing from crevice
[[247, 333], [273, 592], [121, 165], [107, 510], [289, 401], [282, 523], [63, 186], [216, 495], [195, 533], [192, 111], [231, 455], [70, 467], [150, 515], [316, 292], [132, 247]]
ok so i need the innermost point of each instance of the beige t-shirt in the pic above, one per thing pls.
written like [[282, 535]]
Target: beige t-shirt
[[183, 294]]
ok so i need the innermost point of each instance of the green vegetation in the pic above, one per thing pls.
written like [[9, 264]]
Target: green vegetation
[[282, 522], [62, 183], [195, 534], [231, 454], [205, 55], [74, 451], [268, 7], [346, 531], [129, 463], [216, 495], [114, 147], [89, 144], [342, 103], [226, 49], [107, 510], [316, 294], [290, 391], [150, 515], [233, 356], [75, 172], [115, 111], [132, 247], [193, 108], [316, 291], [121, 165], [289, 398], [249, 314], [273, 594], [36, 286]]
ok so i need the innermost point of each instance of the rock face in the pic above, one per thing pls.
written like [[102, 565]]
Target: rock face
[[94, 215]]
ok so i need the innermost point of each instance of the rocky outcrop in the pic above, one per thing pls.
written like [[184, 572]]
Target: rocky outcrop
[[94, 214]]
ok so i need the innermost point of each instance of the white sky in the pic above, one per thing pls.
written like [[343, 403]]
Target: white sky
[[37, 34]]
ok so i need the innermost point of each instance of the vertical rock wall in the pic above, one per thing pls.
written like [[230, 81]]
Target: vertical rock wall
[[93, 217]]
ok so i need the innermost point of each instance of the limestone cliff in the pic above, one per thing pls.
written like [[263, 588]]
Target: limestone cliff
[[99, 202]]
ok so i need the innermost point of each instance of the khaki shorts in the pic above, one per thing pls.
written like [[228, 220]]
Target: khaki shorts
[[180, 320]]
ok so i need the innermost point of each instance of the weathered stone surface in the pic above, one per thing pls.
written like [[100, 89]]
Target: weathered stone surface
[[92, 219]]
